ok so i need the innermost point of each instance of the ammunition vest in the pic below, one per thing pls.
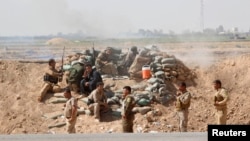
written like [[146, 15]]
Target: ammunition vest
[[51, 79], [180, 106]]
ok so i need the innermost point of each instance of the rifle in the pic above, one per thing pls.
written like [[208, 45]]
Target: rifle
[[93, 55], [61, 70], [62, 58]]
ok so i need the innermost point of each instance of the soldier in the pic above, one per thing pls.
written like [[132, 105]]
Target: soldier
[[70, 111], [90, 78], [182, 104], [128, 60], [220, 102], [75, 75], [104, 63], [86, 54], [98, 101], [128, 115], [143, 58], [51, 78]]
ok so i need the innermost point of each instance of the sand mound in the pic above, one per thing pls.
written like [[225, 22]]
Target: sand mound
[[58, 41]]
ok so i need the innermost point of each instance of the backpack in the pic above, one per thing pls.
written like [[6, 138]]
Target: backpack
[[75, 73]]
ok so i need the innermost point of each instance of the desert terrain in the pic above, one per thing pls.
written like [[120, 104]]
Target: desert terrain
[[20, 83]]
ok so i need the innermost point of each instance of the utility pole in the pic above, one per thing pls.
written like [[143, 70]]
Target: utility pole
[[202, 16]]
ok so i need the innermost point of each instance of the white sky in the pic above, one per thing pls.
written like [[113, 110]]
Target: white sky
[[108, 17]]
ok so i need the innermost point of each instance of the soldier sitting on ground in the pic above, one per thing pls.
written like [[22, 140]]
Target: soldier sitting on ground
[[98, 101], [50, 78], [90, 79], [104, 63]]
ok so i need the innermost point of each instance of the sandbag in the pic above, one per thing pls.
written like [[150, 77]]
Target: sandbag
[[168, 65], [143, 102], [168, 61]]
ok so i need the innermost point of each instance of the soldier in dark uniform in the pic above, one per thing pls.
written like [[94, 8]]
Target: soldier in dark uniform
[[90, 79]]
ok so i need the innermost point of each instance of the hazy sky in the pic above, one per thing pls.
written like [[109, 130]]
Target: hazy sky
[[108, 17]]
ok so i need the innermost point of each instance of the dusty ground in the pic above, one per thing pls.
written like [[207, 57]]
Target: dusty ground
[[20, 113]]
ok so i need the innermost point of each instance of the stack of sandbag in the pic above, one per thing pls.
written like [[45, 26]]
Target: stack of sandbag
[[170, 68]]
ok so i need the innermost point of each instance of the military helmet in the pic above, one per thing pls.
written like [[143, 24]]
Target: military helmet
[[133, 48]]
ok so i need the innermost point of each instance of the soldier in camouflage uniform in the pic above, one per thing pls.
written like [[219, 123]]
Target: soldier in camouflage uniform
[[182, 104], [75, 75], [128, 115], [70, 112], [105, 64], [51, 78], [220, 102], [141, 59], [128, 60], [98, 101]]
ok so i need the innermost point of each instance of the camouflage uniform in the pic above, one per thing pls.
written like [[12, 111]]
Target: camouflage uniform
[[182, 105], [99, 98], [221, 96], [109, 68], [127, 62], [75, 76], [128, 115], [70, 125], [135, 69], [51, 78]]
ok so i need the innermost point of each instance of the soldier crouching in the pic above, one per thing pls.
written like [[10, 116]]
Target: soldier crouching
[[51, 78]]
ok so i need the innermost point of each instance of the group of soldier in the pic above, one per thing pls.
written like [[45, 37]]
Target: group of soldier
[[85, 78], [183, 101]]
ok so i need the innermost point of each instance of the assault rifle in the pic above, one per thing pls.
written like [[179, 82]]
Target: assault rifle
[[93, 55], [61, 70], [62, 58]]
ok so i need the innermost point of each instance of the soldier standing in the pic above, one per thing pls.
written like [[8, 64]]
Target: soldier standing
[[220, 102], [51, 78], [70, 111], [182, 104], [128, 115]]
